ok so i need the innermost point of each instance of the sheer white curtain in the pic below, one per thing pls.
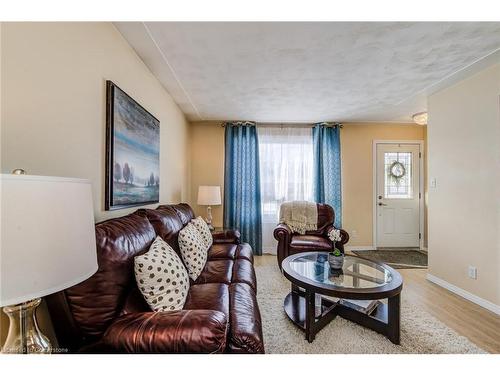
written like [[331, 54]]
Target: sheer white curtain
[[286, 173]]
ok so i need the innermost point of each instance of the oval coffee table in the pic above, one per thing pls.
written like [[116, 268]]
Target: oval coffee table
[[308, 304]]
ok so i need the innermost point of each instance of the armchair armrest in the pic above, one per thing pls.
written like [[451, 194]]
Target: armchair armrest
[[185, 331], [283, 235], [282, 232], [227, 236], [345, 236]]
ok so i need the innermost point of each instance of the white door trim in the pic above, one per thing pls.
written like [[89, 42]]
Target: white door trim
[[421, 206]]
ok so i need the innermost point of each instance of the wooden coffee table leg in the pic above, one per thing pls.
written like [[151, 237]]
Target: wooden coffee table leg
[[393, 319], [310, 315]]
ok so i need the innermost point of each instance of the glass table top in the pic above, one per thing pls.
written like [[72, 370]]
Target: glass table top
[[356, 273]]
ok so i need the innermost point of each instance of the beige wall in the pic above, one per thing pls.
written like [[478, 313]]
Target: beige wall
[[53, 108], [207, 157], [464, 207], [357, 173], [207, 163], [53, 105]]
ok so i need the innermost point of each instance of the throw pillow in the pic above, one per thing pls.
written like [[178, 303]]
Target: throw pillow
[[161, 277], [202, 227], [193, 250]]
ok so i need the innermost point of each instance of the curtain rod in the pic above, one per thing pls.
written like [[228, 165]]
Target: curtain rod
[[286, 124]]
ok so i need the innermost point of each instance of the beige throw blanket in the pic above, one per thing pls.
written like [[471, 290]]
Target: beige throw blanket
[[300, 216]]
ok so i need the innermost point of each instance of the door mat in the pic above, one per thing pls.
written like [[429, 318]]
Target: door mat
[[396, 258]]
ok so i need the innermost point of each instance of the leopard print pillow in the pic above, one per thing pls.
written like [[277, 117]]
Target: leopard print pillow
[[193, 250], [161, 277], [204, 230]]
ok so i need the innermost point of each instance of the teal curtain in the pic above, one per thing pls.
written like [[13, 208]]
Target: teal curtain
[[327, 167], [242, 198]]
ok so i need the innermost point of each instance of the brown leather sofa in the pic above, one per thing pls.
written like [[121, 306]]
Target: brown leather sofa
[[315, 240], [107, 313]]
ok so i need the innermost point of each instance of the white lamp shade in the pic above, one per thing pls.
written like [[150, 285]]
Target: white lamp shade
[[209, 195], [48, 236]]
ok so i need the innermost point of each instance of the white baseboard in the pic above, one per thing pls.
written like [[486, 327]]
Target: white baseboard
[[351, 248], [269, 250], [465, 294]]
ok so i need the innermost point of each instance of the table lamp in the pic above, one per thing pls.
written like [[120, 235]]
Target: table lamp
[[47, 245], [209, 196]]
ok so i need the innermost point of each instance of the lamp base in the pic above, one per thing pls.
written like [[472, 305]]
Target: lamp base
[[209, 218], [24, 336]]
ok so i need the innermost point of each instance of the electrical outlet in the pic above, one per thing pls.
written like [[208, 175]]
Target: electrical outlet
[[433, 182], [354, 233], [472, 272]]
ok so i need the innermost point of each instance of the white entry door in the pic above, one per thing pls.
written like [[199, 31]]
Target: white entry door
[[398, 195]]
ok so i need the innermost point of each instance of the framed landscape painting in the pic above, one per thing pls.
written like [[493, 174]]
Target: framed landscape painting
[[132, 152]]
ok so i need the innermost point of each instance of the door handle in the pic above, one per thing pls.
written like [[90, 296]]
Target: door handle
[[382, 204]]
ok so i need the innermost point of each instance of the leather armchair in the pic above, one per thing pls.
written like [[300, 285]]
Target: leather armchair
[[317, 240], [185, 331]]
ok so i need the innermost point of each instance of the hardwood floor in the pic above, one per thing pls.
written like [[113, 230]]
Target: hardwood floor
[[479, 325]]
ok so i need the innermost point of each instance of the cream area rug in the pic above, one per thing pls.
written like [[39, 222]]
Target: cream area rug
[[420, 332]]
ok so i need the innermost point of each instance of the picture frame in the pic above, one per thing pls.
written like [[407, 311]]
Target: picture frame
[[132, 152]]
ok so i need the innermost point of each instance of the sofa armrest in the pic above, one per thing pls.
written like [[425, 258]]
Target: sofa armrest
[[227, 236], [185, 331]]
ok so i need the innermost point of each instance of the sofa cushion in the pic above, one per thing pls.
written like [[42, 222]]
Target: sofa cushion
[[97, 301], [243, 272], [230, 251], [166, 223], [134, 303], [193, 250], [184, 212], [245, 325], [309, 243], [216, 271], [214, 296], [222, 251], [161, 277], [244, 251]]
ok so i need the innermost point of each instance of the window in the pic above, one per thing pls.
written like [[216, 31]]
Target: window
[[286, 173], [398, 175]]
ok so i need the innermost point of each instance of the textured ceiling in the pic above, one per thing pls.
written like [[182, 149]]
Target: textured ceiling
[[305, 72]]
